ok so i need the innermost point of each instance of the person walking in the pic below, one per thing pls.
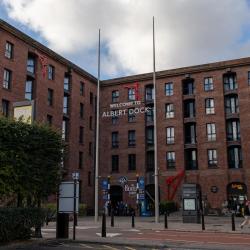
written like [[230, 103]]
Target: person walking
[[246, 214]]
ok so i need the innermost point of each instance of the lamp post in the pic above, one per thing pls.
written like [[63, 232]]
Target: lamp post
[[75, 177]]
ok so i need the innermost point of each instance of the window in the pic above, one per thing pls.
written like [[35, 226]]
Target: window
[[169, 89], [66, 82], [211, 132], [131, 138], [170, 160], [190, 133], [131, 94], [7, 78], [248, 74], [189, 108], [233, 130], [31, 64], [150, 114], [150, 136], [208, 83], [115, 96], [114, 118], [80, 161], [91, 98], [5, 108], [131, 115], [150, 160], [132, 162], [115, 139], [232, 104], [149, 93], [51, 72], [209, 103], [49, 120], [66, 104], [115, 163], [9, 47], [90, 123], [82, 88], [170, 135], [90, 149], [188, 87], [212, 157], [50, 97], [81, 134], [191, 159], [65, 129], [234, 157], [81, 110], [230, 82], [89, 178], [29, 89], [169, 110]]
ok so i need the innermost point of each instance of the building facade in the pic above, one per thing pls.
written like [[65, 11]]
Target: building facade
[[203, 118], [64, 97]]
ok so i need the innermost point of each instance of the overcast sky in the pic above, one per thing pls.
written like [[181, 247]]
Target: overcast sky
[[188, 32]]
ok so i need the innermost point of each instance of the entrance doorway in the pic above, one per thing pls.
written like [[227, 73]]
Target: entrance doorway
[[236, 195], [116, 197], [148, 205]]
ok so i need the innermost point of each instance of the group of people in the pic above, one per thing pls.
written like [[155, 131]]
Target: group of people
[[119, 208], [241, 208]]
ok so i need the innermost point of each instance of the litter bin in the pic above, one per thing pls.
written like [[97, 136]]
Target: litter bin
[[62, 226], [191, 203]]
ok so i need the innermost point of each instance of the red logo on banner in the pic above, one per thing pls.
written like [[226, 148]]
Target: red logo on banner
[[134, 86], [44, 63]]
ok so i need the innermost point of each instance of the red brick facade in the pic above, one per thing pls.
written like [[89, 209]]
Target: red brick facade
[[214, 177]]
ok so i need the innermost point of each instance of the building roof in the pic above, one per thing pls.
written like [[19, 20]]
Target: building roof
[[27, 39], [230, 64]]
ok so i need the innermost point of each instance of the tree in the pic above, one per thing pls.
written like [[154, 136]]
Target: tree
[[30, 159]]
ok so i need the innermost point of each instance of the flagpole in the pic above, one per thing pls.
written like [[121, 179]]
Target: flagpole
[[97, 134], [156, 177]]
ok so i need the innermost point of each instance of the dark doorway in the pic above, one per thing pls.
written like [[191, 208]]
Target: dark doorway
[[116, 196], [236, 195]]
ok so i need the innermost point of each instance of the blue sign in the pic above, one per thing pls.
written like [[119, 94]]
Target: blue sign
[[141, 182], [105, 184]]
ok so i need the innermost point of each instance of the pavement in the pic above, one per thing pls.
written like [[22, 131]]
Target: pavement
[[218, 234]]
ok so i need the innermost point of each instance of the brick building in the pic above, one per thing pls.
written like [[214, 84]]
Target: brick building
[[64, 97], [203, 121]]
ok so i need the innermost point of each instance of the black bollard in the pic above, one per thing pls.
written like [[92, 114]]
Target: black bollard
[[202, 221], [233, 222], [112, 218], [103, 225], [133, 219], [166, 220]]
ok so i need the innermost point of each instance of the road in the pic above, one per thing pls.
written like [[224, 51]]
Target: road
[[85, 246]]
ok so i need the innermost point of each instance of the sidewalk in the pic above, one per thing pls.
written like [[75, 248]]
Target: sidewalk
[[212, 224], [148, 233]]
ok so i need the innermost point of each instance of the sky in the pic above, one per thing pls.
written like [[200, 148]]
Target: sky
[[187, 32]]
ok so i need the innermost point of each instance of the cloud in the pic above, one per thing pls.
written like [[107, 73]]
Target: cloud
[[187, 32]]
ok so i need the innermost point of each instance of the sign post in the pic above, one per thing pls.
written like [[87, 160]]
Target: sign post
[[75, 176]]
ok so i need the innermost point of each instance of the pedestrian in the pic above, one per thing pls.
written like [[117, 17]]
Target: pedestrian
[[246, 214]]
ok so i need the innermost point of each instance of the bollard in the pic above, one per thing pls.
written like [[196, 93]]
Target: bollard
[[112, 218], [103, 225], [202, 221], [133, 219], [233, 222], [166, 220]]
